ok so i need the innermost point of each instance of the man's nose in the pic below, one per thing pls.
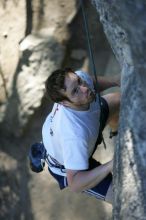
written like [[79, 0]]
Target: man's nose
[[83, 88]]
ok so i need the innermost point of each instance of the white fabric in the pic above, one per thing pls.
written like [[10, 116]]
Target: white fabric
[[74, 133]]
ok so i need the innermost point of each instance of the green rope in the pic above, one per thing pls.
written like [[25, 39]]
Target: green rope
[[91, 59], [89, 44]]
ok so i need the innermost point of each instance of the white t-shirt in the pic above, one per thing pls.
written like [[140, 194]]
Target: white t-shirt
[[69, 136]]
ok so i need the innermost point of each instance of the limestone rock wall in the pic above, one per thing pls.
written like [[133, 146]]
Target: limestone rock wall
[[34, 195], [32, 46], [125, 27]]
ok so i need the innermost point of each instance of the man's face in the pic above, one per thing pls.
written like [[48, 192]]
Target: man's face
[[78, 92]]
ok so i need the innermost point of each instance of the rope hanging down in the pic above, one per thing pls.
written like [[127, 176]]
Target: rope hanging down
[[92, 59], [89, 44]]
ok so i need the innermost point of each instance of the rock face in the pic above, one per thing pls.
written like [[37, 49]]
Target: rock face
[[39, 58], [125, 27], [38, 196], [38, 48]]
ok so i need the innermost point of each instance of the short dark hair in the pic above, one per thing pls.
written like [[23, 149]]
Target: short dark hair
[[55, 83]]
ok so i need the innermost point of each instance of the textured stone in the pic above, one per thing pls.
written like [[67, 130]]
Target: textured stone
[[41, 58], [124, 25], [37, 50]]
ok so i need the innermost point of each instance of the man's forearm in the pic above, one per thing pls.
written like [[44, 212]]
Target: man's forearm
[[83, 180], [105, 83]]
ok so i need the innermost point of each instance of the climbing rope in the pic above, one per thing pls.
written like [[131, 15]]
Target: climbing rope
[[89, 43], [92, 59]]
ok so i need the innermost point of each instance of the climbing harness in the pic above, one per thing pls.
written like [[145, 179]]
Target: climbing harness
[[38, 156], [92, 61]]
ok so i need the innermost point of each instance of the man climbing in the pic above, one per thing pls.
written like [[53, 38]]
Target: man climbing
[[73, 130]]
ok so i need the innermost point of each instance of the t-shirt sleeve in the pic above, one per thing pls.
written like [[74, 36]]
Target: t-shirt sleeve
[[75, 153]]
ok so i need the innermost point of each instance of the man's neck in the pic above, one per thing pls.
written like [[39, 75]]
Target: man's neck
[[79, 108]]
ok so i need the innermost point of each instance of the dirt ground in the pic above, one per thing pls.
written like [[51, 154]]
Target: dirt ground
[[28, 196]]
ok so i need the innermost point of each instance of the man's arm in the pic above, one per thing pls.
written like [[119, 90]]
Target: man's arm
[[83, 180], [106, 83]]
